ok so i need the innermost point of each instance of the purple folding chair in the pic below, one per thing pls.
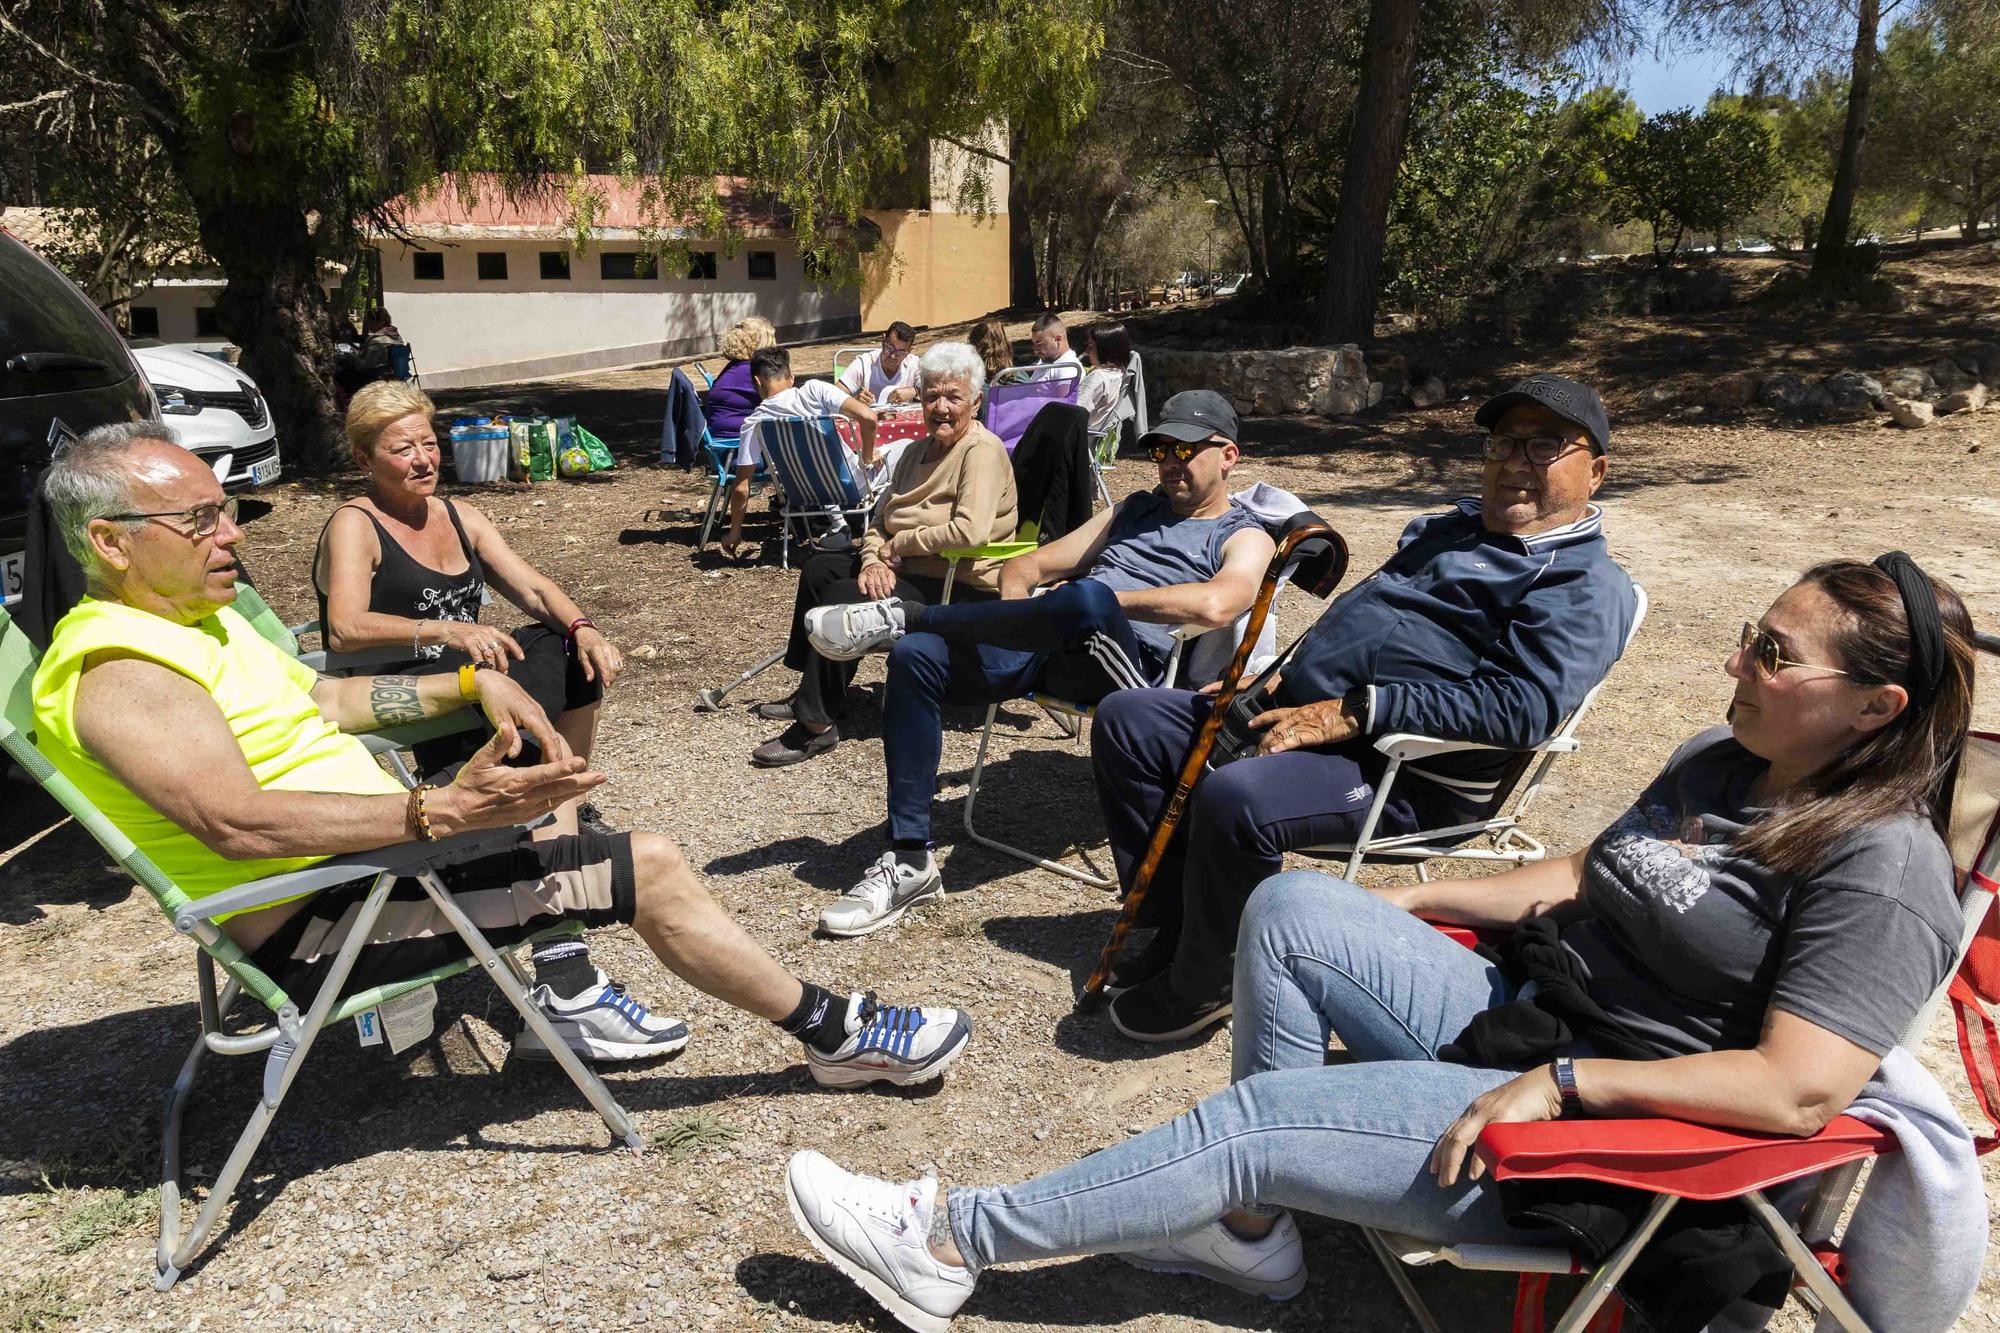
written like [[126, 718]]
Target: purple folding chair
[[1011, 406]]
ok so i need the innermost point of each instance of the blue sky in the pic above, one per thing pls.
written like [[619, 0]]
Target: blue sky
[[1684, 78]]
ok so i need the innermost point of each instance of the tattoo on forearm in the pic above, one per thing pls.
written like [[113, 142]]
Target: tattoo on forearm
[[393, 700]]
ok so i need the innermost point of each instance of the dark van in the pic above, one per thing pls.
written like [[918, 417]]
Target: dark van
[[63, 370]]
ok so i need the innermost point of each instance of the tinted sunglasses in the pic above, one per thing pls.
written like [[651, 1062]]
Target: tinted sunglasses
[[1182, 450], [1760, 650]]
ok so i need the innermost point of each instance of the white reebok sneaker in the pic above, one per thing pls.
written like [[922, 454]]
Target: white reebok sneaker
[[899, 1044], [1274, 1267], [602, 1024], [877, 1233], [878, 900], [843, 633]]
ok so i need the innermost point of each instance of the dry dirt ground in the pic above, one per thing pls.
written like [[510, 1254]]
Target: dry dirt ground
[[449, 1188]]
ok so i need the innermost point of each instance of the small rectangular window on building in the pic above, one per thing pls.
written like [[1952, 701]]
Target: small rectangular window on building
[[206, 323], [622, 265], [763, 266], [555, 266], [701, 266], [493, 266], [427, 266], [145, 321]]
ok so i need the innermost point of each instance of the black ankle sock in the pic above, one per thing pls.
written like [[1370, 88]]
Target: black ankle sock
[[916, 855], [565, 968], [820, 1021]]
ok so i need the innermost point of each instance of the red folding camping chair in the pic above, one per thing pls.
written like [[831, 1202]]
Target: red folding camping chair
[[1675, 1160]]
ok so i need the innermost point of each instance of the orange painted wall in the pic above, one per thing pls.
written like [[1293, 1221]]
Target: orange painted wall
[[934, 268]]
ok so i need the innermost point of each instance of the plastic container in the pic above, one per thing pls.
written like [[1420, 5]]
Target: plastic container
[[479, 450]]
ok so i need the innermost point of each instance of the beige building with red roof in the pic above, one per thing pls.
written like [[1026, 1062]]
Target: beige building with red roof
[[488, 289]]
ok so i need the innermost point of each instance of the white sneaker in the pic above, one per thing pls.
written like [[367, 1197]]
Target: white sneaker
[[887, 890], [898, 1044], [602, 1024], [878, 1234], [843, 633], [1274, 1267]]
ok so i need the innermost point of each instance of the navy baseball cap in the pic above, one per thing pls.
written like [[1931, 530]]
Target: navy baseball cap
[[1193, 415], [1578, 404]]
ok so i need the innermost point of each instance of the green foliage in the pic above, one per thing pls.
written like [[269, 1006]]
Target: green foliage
[[1936, 136], [695, 1133], [36, 1304], [1692, 172]]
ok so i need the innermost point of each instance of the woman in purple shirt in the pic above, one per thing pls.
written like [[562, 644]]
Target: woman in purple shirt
[[733, 396]]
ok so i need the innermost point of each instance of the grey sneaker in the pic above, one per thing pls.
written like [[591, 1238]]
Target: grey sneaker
[[843, 633], [900, 1044], [604, 1024], [1274, 1267], [884, 893]]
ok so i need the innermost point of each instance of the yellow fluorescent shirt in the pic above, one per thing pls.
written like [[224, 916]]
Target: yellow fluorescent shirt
[[263, 693]]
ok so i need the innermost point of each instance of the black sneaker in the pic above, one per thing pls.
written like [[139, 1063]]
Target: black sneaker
[[794, 745], [1152, 1012], [1138, 965]]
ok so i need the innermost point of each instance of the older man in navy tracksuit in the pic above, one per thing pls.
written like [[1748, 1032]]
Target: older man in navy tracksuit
[[1490, 624]]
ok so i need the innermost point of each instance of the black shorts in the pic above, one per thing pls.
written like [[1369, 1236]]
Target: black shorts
[[509, 894]]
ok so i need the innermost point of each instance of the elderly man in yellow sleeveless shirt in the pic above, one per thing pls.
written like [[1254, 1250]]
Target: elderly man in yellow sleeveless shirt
[[226, 760]]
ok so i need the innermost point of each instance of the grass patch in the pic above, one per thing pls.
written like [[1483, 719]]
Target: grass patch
[[100, 1215], [695, 1133], [47, 931], [42, 1302]]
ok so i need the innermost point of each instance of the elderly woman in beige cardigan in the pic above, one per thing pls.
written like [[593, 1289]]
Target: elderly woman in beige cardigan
[[953, 489]]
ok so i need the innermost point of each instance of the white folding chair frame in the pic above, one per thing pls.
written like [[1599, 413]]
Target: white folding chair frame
[[1510, 843]]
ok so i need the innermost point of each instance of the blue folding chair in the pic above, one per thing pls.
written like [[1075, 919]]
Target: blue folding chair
[[814, 469], [722, 457]]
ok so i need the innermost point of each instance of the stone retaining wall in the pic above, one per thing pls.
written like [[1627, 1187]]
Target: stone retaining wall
[[1291, 381]]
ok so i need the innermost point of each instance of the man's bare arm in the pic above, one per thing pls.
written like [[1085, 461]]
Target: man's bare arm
[[370, 703], [1212, 604], [163, 737], [1069, 555]]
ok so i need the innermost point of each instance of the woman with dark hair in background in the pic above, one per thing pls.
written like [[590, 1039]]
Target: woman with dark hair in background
[[989, 339], [1103, 391]]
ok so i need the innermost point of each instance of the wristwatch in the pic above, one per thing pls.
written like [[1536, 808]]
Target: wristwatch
[[1572, 1100]]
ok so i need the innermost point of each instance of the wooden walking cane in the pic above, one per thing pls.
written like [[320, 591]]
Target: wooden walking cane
[[1197, 758]]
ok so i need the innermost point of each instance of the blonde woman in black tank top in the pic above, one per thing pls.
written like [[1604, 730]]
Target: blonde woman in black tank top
[[402, 567]]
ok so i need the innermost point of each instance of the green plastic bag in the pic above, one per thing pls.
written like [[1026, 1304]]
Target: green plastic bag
[[541, 450], [600, 457]]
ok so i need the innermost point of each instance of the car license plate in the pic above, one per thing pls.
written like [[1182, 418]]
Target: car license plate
[[265, 472], [13, 575]]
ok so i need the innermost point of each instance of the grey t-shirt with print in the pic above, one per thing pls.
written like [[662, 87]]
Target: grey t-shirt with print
[[1688, 943]]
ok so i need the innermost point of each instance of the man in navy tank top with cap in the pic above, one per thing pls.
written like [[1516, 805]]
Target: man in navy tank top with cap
[[1489, 624], [1184, 553]]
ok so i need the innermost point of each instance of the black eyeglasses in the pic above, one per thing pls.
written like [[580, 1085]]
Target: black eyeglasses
[[201, 521], [1183, 450], [1541, 450]]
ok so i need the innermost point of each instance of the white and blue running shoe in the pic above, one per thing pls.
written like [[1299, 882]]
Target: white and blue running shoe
[[898, 1044], [602, 1023]]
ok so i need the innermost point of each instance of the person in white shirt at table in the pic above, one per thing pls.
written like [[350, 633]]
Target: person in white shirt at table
[[1103, 392], [1052, 350], [888, 375], [781, 396]]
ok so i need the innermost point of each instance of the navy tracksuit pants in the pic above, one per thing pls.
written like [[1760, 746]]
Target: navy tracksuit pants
[[1073, 642]]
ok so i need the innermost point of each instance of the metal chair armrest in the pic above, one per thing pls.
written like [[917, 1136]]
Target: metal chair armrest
[[397, 858], [1407, 745]]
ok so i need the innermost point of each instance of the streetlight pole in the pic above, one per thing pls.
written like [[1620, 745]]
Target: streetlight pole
[[1208, 242]]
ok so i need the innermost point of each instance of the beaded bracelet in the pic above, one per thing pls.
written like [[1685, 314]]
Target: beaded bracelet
[[420, 818]]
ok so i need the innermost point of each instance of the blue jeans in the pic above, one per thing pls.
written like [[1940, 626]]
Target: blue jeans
[[1074, 642], [1317, 957]]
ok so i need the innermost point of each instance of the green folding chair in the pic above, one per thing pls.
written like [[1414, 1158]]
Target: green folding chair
[[290, 1031]]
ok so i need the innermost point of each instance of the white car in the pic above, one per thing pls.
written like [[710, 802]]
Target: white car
[[1231, 285], [215, 410]]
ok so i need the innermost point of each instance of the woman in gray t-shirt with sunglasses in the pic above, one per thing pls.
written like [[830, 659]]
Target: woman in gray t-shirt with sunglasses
[[1750, 939]]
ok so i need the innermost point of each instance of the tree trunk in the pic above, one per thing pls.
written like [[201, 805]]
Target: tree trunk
[[1051, 260], [1368, 183], [1020, 235], [1833, 254], [274, 308]]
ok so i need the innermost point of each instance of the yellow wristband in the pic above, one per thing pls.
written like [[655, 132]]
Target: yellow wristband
[[468, 689]]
